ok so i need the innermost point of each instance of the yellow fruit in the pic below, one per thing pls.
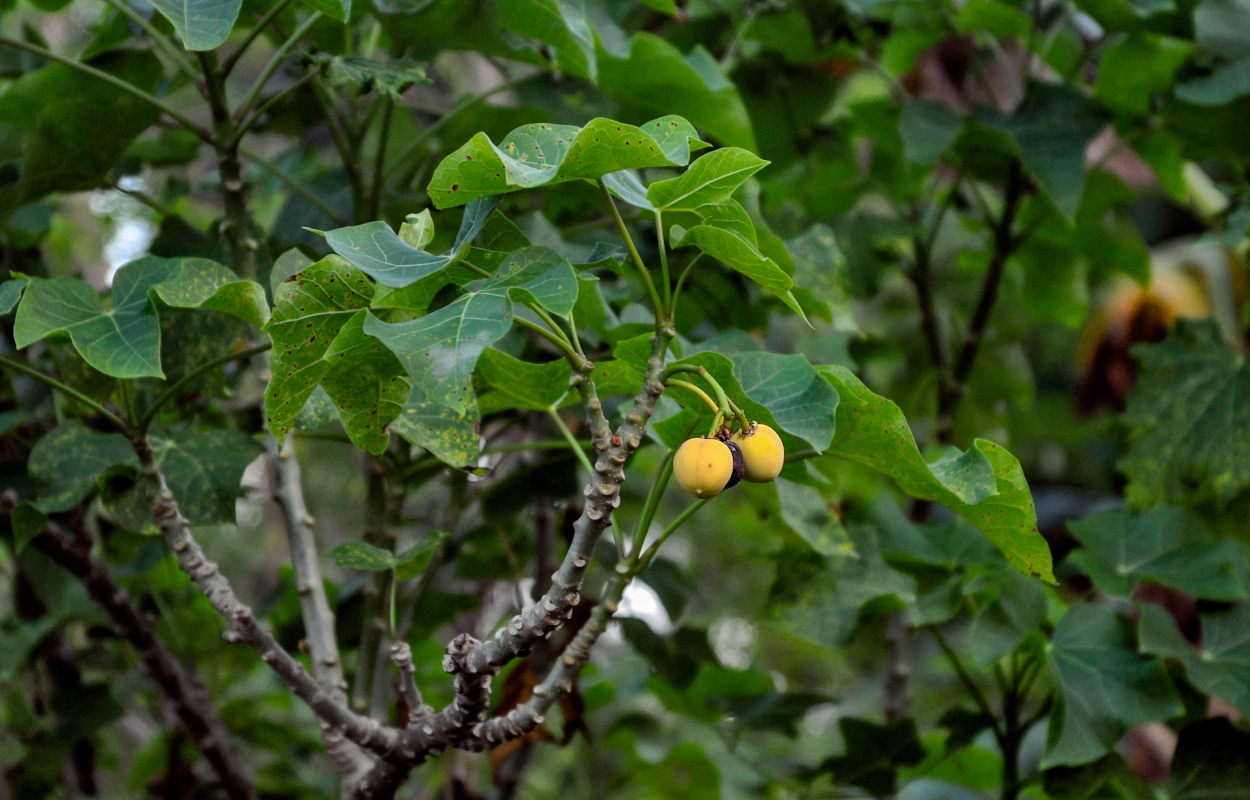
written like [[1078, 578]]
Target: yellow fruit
[[763, 454], [703, 466]]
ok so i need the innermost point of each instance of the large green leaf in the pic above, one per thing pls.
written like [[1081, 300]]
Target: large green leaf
[[65, 462], [204, 471], [536, 276], [1136, 67], [439, 350], [10, 293], [1188, 418], [709, 179], [1106, 686], [984, 484], [201, 283], [450, 437], [309, 312], [385, 257], [513, 383], [792, 390], [1224, 85], [366, 384], [1051, 130], [60, 131], [1220, 665], [542, 154], [123, 341], [734, 250], [202, 24], [656, 78], [1161, 545], [562, 24]]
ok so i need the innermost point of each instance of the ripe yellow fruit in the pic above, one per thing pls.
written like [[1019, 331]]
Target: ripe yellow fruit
[[763, 454], [703, 466]]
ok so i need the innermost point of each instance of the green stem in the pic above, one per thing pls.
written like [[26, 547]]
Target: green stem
[[246, 125], [146, 420], [659, 236], [967, 681], [128, 403], [690, 387], [275, 61], [294, 183], [161, 40], [560, 342], [228, 65], [18, 366], [681, 282], [379, 158], [660, 315], [129, 88], [652, 502], [689, 511], [574, 445], [390, 604]]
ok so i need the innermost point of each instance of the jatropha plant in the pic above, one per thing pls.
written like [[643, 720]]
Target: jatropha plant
[[402, 346]]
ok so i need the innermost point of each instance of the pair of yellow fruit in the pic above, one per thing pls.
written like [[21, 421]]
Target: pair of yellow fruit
[[707, 466]]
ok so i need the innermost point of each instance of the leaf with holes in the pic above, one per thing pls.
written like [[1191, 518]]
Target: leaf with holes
[[309, 311], [366, 384], [542, 154]]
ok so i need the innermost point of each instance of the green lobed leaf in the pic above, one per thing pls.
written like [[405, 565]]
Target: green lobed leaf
[[201, 283], [10, 293], [712, 178], [366, 384], [801, 402], [53, 130], [64, 463], [874, 753], [984, 485], [734, 251], [309, 311], [562, 24], [628, 186], [202, 24], [1136, 67], [806, 512], [123, 341], [542, 154], [453, 438], [1220, 665], [656, 77], [381, 254], [439, 350], [536, 275], [1051, 130], [363, 556], [1226, 83], [513, 383], [204, 470], [1188, 418], [1105, 685], [415, 560], [363, 75], [1164, 545]]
